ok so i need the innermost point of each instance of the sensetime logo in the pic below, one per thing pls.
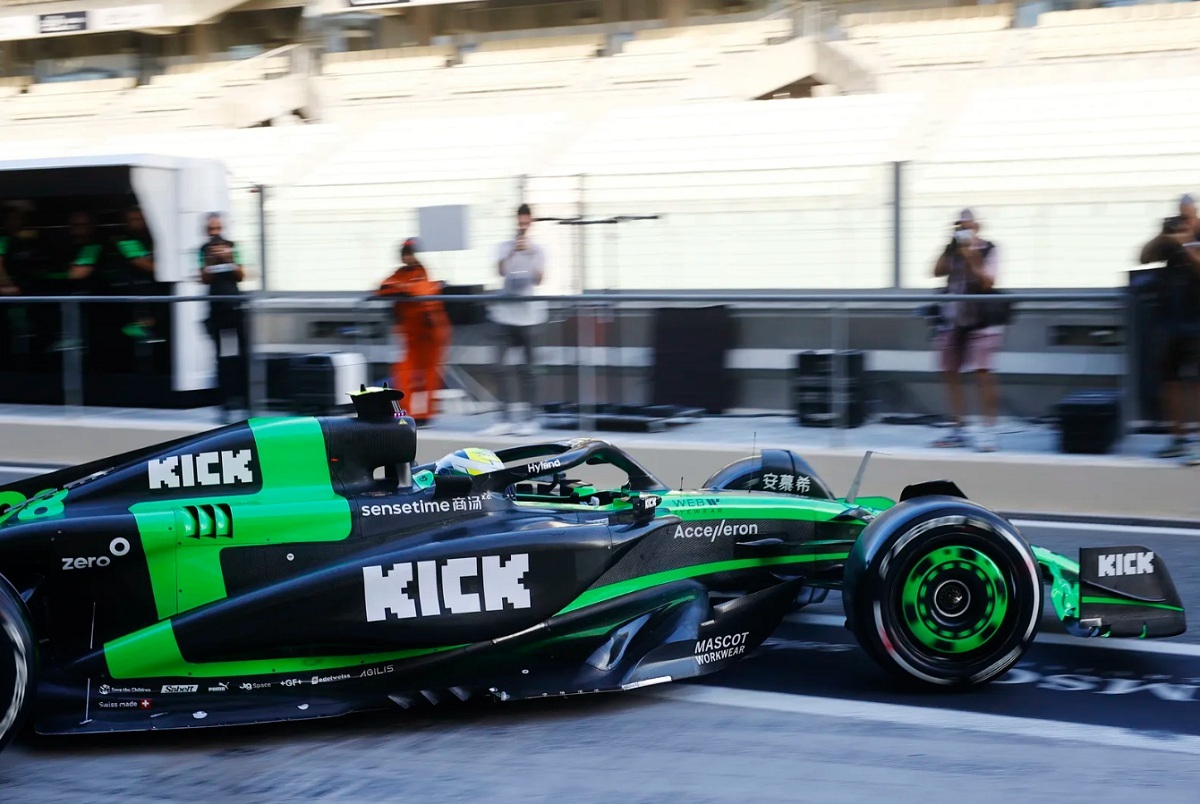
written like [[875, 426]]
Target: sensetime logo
[[419, 589]]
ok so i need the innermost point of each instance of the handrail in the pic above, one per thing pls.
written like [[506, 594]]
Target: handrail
[[264, 299]]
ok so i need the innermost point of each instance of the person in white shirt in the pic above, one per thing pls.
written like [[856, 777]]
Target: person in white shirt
[[522, 264]]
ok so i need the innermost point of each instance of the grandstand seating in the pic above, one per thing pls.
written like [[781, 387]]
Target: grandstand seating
[[1116, 31], [928, 22], [67, 99], [1094, 163], [1068, 168]]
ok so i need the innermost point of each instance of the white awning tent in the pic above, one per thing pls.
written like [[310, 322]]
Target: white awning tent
[[175, 193]]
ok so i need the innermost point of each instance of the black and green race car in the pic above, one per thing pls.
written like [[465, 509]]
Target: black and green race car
[[288, 568]]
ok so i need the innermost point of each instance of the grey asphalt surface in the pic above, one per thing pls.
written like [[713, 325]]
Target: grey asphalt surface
[[640, 747]]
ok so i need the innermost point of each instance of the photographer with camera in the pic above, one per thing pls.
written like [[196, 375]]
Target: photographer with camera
[[1178, 246], [971, 331]]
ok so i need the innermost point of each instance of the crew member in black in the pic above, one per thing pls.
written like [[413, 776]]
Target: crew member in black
[[221, 269], [1179, 320], [72, 272], [133, 274], [16, 246], [10, 241]]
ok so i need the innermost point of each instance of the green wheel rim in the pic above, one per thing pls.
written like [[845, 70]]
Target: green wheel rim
[[954, 600]]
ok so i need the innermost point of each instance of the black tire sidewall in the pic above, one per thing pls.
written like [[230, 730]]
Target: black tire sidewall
[[875, 575], [18, 664]]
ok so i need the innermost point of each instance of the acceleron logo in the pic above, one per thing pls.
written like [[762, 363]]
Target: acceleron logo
[[451, 586]]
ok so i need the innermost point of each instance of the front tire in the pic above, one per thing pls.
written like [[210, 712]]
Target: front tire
[[18, 663], [943, 592]]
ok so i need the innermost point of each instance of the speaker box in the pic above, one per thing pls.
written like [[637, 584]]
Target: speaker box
[[1146, 342], [690, 349], [322, 382], [1089, 422], [464, 313], [817, 393]]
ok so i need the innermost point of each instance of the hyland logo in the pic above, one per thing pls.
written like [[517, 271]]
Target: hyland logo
[[1125, 564], [542, 466], [437, 582], [105, 689], [720, 648], [711, 532], [169, 688], [225, 468]]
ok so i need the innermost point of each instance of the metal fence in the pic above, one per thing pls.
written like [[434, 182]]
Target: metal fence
[[597, 349]]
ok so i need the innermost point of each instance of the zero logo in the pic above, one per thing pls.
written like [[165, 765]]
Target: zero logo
[[118, 547]]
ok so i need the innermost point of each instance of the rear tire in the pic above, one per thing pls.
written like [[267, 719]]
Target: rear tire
[[943, 592], [18, 663]]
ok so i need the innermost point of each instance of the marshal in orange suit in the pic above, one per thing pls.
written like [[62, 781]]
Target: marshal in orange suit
[[425, 331]]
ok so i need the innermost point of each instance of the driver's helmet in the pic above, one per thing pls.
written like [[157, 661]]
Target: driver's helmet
[[468, 462]]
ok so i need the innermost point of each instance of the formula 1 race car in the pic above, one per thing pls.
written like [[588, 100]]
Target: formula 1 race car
[[302, 567]]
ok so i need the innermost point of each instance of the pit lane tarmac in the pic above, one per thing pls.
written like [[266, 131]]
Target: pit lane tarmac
[[1149, 687]]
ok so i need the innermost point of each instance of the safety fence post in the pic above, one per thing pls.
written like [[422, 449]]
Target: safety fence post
[[255, 362], [261, 190], [1132, 368], [897, 224], [72, 345], [840, 385]]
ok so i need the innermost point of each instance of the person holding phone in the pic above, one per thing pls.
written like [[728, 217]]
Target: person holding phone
[[967, 342], [521, 263]]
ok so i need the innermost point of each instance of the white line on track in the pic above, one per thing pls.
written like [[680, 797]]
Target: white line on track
[[1100, 527], [1131, 645], [915, 716], [29, 470]]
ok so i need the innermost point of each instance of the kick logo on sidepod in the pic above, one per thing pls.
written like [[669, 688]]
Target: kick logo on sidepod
[[388, 589]]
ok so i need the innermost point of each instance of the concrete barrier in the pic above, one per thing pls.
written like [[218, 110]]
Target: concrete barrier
[[1020, 482]]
